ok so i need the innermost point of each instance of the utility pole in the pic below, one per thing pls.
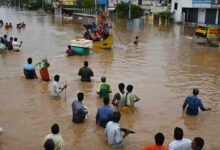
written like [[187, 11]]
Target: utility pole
[[96, 19], [129, 13]]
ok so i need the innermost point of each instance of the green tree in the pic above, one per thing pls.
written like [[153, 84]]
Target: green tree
[[86, 3], [122, 10]]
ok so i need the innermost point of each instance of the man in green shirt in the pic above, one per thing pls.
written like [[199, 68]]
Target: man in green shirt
[[104, 88], [85, 72]]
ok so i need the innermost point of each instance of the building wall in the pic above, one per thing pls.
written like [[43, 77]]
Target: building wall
[[178, 12]]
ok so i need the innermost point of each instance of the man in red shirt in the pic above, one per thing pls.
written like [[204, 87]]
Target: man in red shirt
[[159, 139]]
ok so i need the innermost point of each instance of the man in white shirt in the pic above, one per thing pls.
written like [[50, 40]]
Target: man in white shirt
[[113, 131], [180, 143], [16, 45], [55, 88], [56, 137]]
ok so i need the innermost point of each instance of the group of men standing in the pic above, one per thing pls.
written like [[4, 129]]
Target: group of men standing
[[109, 119], [11, 44]]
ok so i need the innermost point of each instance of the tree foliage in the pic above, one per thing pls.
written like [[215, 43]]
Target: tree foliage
[[122, 10], [86, 3], [166, 16]]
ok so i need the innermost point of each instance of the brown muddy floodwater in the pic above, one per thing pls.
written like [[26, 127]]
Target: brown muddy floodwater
[[164, 69]]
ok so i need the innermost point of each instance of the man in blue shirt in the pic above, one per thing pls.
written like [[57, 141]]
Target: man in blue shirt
[[104, 113], [193, 103], [29, 70], [79, 110]]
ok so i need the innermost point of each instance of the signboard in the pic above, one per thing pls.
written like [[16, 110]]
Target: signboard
[[215, 3], [209, 32], [147, 2], [112, 3], [201, 31], [68, 2], [213, 32], [102, 2], [201, 1]]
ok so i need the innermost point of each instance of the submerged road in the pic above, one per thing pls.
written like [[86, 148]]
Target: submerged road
[[164, 69]]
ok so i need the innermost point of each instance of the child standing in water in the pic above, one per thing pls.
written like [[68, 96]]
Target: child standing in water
[[136, 40]]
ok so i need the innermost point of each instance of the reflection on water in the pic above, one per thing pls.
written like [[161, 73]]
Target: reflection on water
[[164, 69]]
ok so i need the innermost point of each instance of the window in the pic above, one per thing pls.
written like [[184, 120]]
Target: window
[[175, 6]]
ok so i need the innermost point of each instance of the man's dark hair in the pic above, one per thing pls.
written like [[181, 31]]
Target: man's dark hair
[[69, 47], [159, 138], [29, 60], [86, 63], [15, 39], [49, 144], [199, 142], [56, 78], [5, 36], [11, 38], [103, 79], [55, 128], [106, 100], [178, 133], [121, 86], [116, 116], [130, 88], [80, 96], [195, 91]]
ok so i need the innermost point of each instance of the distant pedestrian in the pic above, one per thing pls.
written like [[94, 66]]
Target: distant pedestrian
[[56, 137], [79, 110], [104, 88], [193, 103], [5, 38], [136, 40], [16, 44], [119, 99], [69, 51], [197, 143], [180, 143], [159, 140], [10, 45], [29, 70], [104, 113], [85, 72]]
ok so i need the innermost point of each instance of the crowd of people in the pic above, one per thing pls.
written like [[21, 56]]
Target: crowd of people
[[10, 44], [109, 118], [21, 25], [97, 33], [8, 25]]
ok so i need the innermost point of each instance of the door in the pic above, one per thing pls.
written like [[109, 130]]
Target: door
[[210, 16], [201, 15]]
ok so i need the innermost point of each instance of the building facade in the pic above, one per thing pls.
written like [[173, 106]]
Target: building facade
[[196, 11]]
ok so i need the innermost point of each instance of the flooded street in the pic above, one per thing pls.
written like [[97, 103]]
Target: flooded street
[[164, 69]]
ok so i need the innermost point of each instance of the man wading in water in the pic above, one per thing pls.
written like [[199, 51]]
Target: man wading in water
[[55, 88], [193, 103]]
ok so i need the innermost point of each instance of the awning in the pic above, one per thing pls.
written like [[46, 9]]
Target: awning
[[111, 8], [71, 9]]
